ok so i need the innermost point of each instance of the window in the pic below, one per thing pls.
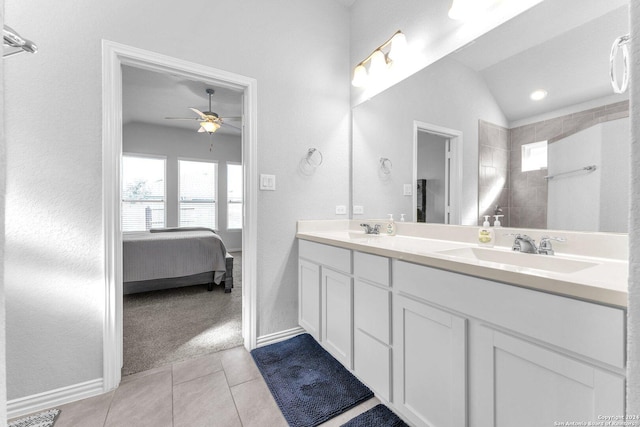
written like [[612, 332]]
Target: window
[[197, 194], [234, 197], [143, 193], [534, 156]]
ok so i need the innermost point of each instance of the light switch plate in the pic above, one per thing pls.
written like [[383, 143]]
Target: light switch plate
[[341, 210], [358, 210], [267, 182], [408, 190]]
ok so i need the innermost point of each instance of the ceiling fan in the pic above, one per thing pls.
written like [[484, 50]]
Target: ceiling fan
[[209, 121]]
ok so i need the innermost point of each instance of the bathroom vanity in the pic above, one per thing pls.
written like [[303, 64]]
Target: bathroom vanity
[[450, 335]]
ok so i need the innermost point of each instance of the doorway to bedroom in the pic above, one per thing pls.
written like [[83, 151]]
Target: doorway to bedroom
[[115, 56], [181, 214]]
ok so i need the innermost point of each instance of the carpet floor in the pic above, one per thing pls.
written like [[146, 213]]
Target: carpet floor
[[171, 325]]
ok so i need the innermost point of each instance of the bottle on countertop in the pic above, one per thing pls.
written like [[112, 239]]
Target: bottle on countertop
[[496, 222], [402, 217], [390, 226], [485, 233]]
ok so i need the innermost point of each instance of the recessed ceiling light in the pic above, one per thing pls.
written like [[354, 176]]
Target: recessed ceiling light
[[538, 94]]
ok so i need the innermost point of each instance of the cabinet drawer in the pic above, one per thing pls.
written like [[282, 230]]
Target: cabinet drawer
[[330, 256], [372, 363], [588, 329], [372, 306], [371, 267]]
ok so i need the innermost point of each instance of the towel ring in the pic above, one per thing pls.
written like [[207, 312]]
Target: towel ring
[[385, 165], [314, 157], [620, 43]]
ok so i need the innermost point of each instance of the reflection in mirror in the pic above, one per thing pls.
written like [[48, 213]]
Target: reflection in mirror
[[482, 91]]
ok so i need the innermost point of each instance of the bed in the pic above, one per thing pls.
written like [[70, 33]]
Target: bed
[[174, 257]]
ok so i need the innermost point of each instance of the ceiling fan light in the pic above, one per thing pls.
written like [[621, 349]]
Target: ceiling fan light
[[210, 127]]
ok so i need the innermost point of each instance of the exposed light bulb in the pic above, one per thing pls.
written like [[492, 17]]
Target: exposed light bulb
[[360, 76], [378, 64], [398, 46]]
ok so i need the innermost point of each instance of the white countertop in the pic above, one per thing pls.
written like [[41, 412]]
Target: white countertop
[[604, 280]]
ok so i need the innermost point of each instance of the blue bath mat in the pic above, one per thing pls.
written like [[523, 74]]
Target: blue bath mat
[[308, 384], [378, 416]]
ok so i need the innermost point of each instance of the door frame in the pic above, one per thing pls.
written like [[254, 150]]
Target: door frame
[[455, 170], [114, 55]]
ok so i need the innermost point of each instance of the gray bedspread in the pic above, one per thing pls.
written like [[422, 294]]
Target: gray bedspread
[[161, 255]]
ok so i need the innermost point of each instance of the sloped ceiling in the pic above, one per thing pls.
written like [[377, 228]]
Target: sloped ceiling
[[561, 51]]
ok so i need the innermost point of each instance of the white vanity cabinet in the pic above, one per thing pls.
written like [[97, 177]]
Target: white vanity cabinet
[[372, 322], [500, 355], [529, 385], [430, 364], [325, 293], [448, 349]]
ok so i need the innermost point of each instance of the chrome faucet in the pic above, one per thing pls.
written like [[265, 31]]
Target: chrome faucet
[[368, 229], [545, 244], [525, 244]]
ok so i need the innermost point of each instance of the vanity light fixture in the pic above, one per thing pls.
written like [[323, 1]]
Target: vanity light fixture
[[538, 95], [379, 61]]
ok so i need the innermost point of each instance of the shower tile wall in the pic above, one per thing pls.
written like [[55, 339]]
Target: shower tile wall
[[523, 195], [528, 195], [493, 182]]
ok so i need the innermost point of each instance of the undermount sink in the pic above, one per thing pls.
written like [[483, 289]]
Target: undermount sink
[[538, 262], [360, 235]]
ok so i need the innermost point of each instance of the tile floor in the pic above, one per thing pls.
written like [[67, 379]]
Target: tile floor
[[221, 389]]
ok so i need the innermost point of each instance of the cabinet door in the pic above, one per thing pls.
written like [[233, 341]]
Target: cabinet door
[[309, 297], [429, 364], [337, 324], [525, 384]]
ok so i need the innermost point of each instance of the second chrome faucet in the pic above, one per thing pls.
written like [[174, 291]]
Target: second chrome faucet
[[525, 244]]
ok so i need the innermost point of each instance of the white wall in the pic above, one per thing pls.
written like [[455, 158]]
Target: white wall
[[614, 186], [597, 200], [174, 144], [633, 320], [446, 94], [573, 201], [431, 159], [298, 53], [3, 364]]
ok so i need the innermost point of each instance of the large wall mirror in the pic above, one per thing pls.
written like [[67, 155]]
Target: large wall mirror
[[462, 138]]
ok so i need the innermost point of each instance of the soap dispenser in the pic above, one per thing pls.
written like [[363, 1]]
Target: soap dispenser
[[496, 222], [485, 233], [390, 227]]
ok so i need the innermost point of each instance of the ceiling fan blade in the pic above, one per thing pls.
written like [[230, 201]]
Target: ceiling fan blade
[[232, 118], [198, 112], [182, 118]]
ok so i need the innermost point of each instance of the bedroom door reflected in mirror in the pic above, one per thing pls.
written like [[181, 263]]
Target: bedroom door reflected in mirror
[[435, 170], [181, 217]]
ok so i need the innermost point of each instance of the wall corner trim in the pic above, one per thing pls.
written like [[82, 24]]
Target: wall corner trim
[[49, 399]]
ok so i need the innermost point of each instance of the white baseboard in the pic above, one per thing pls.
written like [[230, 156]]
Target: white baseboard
[[279, 336], [50, 399]]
